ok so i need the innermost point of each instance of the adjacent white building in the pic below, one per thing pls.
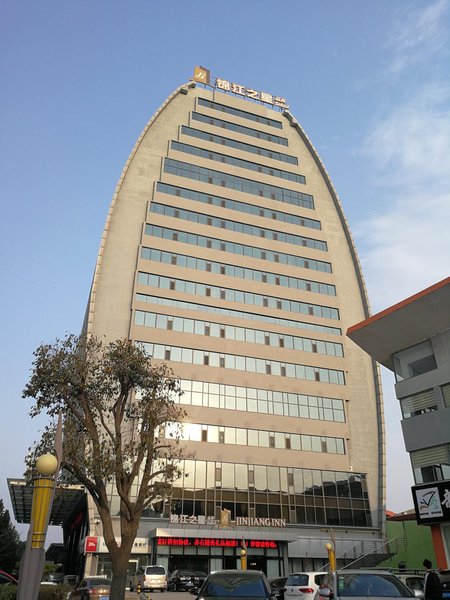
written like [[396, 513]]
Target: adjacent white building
[[412, 339]]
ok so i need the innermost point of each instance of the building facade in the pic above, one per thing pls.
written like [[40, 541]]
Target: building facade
[[226, 253], [412, 339]]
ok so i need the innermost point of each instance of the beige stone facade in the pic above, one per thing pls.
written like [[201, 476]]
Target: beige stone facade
[[225, 271]]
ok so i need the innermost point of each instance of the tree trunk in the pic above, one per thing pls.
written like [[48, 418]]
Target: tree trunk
[[120, 556], [119, 575]]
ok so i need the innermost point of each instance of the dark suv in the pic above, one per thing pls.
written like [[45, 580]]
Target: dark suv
[[183, 580]]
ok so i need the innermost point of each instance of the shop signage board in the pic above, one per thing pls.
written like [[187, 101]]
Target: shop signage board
[[432, 502], [214, 542], [91, 544]]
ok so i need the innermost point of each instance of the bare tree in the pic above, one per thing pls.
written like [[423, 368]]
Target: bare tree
[[114, 400]]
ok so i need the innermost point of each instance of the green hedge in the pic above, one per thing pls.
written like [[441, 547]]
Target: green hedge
[[54, 592], [8, 592], [46, 592]]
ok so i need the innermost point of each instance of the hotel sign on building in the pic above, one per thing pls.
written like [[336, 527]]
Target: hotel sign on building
[[224, 521], [203, 75]]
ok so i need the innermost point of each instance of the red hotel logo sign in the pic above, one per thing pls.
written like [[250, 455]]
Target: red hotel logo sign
[[91, 544], [214, 542]]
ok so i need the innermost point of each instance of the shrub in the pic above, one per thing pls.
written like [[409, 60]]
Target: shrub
[[8, 592], [54, 592]]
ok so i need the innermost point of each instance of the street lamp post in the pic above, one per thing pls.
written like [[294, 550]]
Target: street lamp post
[[331, 555], [244, 557], [33, 559]]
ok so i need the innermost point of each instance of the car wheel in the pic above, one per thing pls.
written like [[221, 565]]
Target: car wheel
[[162, 590]]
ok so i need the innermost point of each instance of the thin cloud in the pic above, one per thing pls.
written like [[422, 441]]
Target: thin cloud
[[407, 246], [417, 36], [412, 143]]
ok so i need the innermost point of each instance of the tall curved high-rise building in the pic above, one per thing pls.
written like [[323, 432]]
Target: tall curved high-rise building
[[227, 254]]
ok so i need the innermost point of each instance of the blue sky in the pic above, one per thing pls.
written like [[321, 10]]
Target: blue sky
[[368, 81]]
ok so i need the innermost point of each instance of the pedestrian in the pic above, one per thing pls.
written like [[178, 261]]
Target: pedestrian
[[432, 584]]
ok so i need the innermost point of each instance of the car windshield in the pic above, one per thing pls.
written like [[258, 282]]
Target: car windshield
[[415, 583], [155, 571], [234, 586], [297, 579], [371, 584]]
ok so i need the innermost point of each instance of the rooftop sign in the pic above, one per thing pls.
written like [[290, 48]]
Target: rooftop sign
[[202, 75]]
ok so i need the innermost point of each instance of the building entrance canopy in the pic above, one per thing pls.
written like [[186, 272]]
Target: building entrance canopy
[[65, 501]]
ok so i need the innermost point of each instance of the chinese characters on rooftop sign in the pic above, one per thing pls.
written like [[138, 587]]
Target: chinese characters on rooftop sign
[[214, 542], [225, 520], [194, 520], [241, 90], [432, 502], [202, 75]]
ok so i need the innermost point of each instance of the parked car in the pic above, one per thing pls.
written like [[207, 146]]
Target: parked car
[[7, 579], [201, 576], [183, 580], [57, 576], [444, 576], [303, 586], [150, 577], [91, 588], [414, 582], [223, 585], [362, 584], [277, 585], [71, 580]]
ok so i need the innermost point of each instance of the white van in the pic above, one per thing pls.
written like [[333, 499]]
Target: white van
[[150, 577]]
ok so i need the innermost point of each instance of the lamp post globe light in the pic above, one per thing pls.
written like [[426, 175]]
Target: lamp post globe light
[[47, 465]]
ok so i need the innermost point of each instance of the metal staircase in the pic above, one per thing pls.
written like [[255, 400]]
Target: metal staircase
[[367, 554]]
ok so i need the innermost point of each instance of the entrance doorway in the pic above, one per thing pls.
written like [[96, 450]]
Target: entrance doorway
[[230, 562], [257, 563], [189, 563]]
